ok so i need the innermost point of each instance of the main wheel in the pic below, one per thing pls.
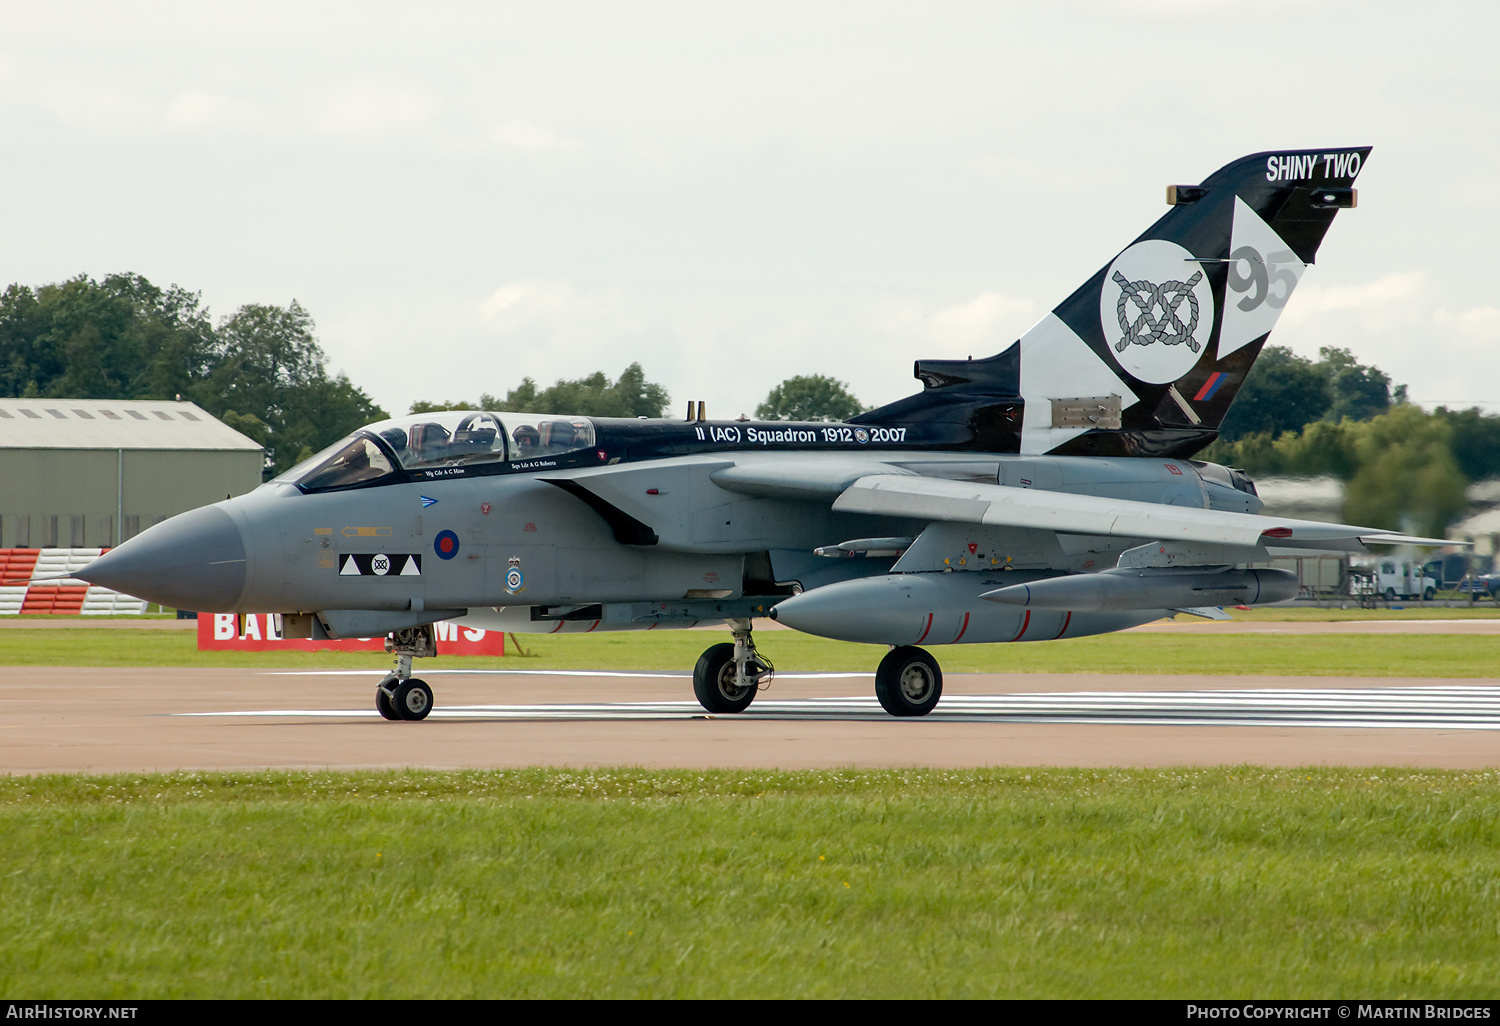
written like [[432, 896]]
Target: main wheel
[[1428, 594], [1390, 594], [908, 682], [713, 682], [411, 699], [383, 705]]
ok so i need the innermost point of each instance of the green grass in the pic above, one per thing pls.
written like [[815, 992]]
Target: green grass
[[1406, 611], [1456, 655], [628, 883]]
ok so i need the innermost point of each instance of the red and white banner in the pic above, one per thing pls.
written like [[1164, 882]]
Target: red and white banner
[[19, 595], [258, 632]]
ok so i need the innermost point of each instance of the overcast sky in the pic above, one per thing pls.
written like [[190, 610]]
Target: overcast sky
[[732, 193]]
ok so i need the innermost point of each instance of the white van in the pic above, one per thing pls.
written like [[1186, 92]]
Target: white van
[[1403, 578]]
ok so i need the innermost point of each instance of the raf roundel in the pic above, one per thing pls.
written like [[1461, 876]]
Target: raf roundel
[[445, 545]]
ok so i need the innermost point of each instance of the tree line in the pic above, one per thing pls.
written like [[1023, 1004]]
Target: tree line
[[802, 398], [630, 395], [260, 370], [1284, 391], [1402, 467]]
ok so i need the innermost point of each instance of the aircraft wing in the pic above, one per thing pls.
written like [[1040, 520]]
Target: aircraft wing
[[996, 505]]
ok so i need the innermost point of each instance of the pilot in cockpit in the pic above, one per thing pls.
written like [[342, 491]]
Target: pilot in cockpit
[[527, 440], [397, 439]]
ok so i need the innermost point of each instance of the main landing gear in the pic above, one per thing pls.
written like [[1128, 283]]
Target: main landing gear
[[728, 676], [401, 696], [908, 682]]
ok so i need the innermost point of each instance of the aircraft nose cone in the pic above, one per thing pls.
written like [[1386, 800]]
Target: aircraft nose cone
[[193, 561]]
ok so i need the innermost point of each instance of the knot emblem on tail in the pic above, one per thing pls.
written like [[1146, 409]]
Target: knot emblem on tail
[[1157, 312]]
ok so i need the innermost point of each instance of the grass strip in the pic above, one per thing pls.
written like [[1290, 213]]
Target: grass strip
[[1370, 655], [632, 883], [1415, 611]]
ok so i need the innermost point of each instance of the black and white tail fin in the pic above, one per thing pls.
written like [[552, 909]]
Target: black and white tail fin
[[1146, 356], [1174, 322]]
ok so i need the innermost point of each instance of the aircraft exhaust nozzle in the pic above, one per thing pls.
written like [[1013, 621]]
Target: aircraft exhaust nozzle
[[1150, 589]]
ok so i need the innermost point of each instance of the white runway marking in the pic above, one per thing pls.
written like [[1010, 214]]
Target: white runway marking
[[550, 673], [1445, 708]]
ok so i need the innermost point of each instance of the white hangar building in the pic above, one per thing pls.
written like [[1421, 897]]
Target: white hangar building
[[91, 473]]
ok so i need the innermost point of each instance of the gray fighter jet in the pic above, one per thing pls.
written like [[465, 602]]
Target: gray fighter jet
[[1044, 492]]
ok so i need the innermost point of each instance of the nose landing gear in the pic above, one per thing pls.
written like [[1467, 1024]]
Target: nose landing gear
[[728, 676], [400, 696]]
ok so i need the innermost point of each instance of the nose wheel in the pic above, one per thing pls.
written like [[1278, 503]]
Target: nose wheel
[[713, 682], [401, 696], [728, 676], [409, 699]]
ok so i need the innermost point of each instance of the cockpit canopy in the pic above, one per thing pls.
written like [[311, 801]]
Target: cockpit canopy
[[429, 441]]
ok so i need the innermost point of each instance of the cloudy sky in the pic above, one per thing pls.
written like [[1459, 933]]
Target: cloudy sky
[[463, 194]]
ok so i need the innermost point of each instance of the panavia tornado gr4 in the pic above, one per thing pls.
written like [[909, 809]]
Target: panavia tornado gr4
[[1046, 492]]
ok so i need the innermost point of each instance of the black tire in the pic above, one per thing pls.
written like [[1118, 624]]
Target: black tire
[[909, 682], [713, 682], [383, 705], [1427, 595], [412, 699], [1390, 594]]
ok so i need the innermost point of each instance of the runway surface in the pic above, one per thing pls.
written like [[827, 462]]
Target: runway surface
[[131, 720], [1465, 707]]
